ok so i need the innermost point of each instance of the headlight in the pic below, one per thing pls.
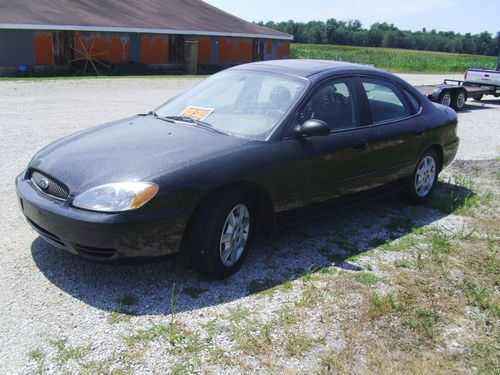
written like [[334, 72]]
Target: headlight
[[117, 197]]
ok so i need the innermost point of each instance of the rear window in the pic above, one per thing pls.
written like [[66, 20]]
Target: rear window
[[386, 101]]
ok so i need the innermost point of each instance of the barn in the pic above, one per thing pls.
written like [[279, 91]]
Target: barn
[[45, 37]]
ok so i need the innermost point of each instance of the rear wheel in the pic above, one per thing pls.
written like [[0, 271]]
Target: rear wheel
[[459, 100], [421, 184], [220, 235]]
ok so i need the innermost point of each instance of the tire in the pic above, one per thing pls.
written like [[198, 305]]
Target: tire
[[206, 247], [458, 100], [445, 98], [421, 184]]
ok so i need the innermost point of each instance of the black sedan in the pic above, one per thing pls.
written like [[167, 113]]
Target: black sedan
[[241, 152]]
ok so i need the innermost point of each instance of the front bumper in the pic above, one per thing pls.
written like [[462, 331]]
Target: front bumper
[[100, 236]]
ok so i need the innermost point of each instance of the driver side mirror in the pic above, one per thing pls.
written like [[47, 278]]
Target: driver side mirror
[[311, 128]]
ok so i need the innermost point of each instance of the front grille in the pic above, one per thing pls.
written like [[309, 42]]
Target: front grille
[[49, 186], [96, 252]]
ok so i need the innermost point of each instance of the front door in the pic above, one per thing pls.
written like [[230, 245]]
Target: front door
[[323, 167]]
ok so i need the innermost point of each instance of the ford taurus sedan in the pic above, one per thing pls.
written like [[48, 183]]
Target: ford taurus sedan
[[241, 152]]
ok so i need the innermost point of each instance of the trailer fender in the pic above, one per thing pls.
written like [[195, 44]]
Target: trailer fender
[[436, 94]]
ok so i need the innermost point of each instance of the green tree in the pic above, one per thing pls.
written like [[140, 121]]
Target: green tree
[[387, 35]]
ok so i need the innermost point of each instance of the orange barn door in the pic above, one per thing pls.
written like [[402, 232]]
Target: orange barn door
[[43, 49]]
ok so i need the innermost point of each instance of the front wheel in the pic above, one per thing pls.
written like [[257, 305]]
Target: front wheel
[[220, 235], [445, 98], [421, 184]]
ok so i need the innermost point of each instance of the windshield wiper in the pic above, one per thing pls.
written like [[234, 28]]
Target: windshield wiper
[[155, 115], [190, 120]]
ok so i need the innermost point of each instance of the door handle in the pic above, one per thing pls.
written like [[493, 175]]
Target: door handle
[[360, 147]]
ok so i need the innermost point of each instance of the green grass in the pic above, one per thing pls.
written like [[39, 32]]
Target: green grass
[[393, 59], [116, 317], [66, 353], [172, 332], [38, 356], [298, 345], [382, 305], [366, 278], [402, 263], [423, 321]]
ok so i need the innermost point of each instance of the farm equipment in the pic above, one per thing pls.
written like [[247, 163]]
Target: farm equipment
[[85, 57], [454, 93]]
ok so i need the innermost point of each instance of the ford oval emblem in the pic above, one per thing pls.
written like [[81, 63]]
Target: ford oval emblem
[[44, 183]]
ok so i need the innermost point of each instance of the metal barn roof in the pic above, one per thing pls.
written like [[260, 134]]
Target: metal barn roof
[[193, 17]]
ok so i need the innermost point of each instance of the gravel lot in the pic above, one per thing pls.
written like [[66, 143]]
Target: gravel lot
[[48, 297]]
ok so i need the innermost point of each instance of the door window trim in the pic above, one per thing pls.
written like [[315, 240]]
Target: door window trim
[[366, 105], [349, 80], [407, 95]]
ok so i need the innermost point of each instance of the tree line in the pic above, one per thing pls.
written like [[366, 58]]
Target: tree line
[[387, 35]]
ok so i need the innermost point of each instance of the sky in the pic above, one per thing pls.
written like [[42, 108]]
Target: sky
[[461, 16]]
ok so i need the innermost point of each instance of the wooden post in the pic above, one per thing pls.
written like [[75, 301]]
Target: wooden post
[[191, 56]]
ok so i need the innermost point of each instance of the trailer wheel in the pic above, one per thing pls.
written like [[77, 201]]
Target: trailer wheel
[[459, 100], [445, 98]]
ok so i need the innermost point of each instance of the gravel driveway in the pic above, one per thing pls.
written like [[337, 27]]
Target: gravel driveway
[[51, 300]]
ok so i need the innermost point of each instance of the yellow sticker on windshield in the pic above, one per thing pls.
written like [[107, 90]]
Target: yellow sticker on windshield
[[197, 113]]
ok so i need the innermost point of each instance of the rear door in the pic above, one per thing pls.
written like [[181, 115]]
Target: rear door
[[394, 130], [323, 167]]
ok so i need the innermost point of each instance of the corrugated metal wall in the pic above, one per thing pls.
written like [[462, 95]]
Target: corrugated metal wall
[[268, 51], [16, 48], [235, 50], [56, 48], [43, 48], [204, 47], [281, 49], [154, 49]]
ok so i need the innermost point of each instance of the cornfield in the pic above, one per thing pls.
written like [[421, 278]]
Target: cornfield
[[396, 60]]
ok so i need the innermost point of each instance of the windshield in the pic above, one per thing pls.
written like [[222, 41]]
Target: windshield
[[242, 103]]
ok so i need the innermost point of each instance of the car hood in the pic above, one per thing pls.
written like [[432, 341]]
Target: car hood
[[132, 149]]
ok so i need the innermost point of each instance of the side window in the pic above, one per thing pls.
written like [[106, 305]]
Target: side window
[[413, 101], [386, 102], [334, 104]]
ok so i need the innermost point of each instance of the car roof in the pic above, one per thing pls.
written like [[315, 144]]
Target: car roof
[[303, 68], [317, 70]]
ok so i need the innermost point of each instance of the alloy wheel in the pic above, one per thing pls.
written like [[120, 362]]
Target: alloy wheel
[[234, 235], [425, 176]]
